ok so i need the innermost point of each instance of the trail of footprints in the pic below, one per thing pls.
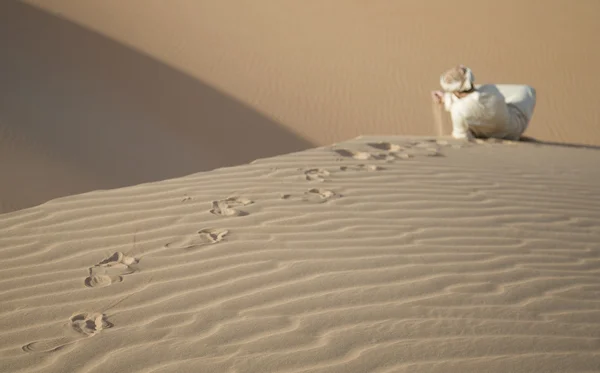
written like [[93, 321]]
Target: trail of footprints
[[113, 269]]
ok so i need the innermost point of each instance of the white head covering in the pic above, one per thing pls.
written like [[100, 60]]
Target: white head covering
[[457, 80]]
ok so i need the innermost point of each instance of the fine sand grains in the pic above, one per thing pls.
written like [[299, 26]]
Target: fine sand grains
[[373, 255]]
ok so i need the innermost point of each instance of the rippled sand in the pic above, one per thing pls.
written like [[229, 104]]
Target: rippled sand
[[381, 254]]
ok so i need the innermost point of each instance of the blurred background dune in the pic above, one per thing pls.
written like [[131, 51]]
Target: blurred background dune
[[104, 94]]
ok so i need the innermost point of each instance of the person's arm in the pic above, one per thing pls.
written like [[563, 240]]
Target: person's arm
[[460, 127], [448, 99]]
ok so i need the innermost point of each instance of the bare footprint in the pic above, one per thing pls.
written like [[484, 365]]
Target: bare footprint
[[386, 146], [223, 209], [365, 155], [226, 207], [353, 154], [118, 259], [111, 270], [202, 238], [86, 325], [320, 195], [428, 147], [316, 174], [101, 281], [89, 323], [361, 167]]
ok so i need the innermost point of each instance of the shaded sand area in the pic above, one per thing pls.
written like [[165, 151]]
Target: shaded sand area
[[113, 93], [81, 112], [389, 254]]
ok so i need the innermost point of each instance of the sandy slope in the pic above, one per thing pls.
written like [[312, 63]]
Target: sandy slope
[[104, 94], [401, 256]]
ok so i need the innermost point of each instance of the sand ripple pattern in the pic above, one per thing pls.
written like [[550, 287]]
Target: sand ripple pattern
[[418, 256]]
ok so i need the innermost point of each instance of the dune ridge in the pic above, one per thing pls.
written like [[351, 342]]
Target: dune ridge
[[379, 254]]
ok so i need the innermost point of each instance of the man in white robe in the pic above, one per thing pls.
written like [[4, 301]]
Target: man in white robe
[[501, 111]]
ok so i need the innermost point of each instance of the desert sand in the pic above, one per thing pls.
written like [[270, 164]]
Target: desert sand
[[112, 93], [380, 254], [265, 186]]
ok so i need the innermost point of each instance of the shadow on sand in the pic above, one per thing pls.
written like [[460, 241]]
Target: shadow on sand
[[79, 112], [532, 140]]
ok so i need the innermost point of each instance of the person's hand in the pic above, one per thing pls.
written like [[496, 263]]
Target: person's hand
[[437, 97]]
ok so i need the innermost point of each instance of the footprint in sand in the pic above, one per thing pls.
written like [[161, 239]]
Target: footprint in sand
[[202, 238], [89, 323], [361, 167], [387, 146], [364, 155], [353, 154], [86, 325], [429, 147], [397, 151], [110, 270], [226, 207], [316, 174], [425, 147], [320, 195]]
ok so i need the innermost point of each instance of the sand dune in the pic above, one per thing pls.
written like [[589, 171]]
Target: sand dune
[[81, 112], [381, 254], [106, 94], [338, 69]]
